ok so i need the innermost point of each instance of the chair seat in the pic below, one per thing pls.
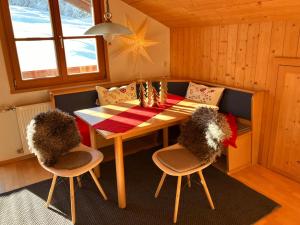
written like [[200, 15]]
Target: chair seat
[[176, 160], [73, 160], [73, 170]]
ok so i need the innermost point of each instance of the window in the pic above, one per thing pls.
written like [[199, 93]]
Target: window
[[44, 44]]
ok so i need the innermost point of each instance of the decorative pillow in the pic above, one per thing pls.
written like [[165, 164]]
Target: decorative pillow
[[116, 95], [204, 94]]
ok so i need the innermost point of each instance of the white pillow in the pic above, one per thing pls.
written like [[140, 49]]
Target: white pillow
[[116, 95], [204, 94]]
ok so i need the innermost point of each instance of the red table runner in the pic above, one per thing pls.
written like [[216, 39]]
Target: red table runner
[[134, 116]]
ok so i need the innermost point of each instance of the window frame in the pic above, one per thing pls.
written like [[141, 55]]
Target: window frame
[[8, 42]]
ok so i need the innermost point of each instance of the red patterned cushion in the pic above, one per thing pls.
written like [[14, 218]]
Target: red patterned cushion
[[233, 126], [84, 132]]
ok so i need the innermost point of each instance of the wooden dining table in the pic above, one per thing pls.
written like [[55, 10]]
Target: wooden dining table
[[176, 114]]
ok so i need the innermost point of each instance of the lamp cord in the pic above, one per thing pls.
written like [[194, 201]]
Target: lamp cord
[[107, 14], [107, 6]]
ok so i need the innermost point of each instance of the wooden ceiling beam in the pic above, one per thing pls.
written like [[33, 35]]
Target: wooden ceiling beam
[[174, 13]]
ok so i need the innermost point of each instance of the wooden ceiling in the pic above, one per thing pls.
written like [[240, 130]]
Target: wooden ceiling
[[174, 13]]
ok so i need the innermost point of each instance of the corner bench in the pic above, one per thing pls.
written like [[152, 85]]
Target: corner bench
[[246, 105]]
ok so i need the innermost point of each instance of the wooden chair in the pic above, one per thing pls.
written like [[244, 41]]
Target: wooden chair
[[177, 161], [96, 158]]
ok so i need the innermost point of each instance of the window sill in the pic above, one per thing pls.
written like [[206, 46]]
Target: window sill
[[14, 90]]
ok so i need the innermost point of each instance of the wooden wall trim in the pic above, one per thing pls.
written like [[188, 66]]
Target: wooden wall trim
[[257, 112], [108, 84]]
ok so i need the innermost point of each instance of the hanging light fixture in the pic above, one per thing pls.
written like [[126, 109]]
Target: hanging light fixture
[[108, 29]]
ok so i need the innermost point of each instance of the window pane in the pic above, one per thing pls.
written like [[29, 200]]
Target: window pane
[[81, 55], [30, 18], [37, 59], [76, 16]]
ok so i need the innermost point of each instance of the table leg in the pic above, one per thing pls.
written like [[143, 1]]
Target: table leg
[[93, 139], [119, 158], [165, 137]]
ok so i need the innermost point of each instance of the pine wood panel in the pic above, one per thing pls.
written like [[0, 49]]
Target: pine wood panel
[[276, 49], [241, 54], [285, 156], [251, 56], [245, 60], [291, 39], [174, 13], [231, 54], [222, 53]]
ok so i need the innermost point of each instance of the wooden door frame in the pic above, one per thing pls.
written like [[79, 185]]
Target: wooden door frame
[[277, 63]]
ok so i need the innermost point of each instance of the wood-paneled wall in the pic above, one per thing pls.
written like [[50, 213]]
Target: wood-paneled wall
[[238, 55]]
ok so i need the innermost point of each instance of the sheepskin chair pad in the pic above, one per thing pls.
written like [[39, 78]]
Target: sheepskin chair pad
[[51, 135], [204, 134]]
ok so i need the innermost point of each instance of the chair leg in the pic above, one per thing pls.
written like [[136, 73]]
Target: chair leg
[[79, 181], [189, 181], [98, 184], [160, 184], [72, 198], [177, 199], [51, 191], [206, 190], [97, 171]]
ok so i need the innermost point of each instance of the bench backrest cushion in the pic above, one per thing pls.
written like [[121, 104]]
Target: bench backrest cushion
[[236, 102], [75, 101], [178, 88], [232, 101]]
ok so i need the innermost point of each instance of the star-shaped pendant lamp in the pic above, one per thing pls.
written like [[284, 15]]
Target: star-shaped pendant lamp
[[136, 44]]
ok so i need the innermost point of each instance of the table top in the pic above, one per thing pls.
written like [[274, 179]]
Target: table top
[[171, 116]]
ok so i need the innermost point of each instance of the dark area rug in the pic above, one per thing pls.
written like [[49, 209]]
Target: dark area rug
[[235, 203]]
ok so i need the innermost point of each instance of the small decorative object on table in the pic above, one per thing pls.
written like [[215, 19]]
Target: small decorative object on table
[[163, 91], [149, 93], [155, 98], [142, 95]]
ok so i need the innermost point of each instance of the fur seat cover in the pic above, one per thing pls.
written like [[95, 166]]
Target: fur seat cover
[[52, 134], [205, 133]]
